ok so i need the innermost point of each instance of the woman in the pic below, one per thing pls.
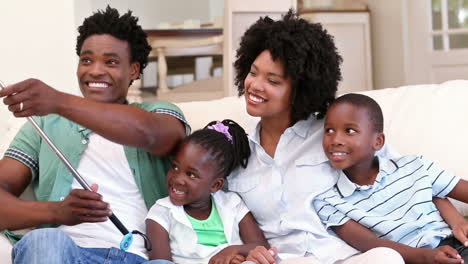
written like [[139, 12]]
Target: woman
[[288, 71]]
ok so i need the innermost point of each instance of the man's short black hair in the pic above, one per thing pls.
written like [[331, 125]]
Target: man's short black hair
[[373, 109], [123, 27], [308, 54]]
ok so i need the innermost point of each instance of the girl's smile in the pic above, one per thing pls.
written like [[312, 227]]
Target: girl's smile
[[193, 177]]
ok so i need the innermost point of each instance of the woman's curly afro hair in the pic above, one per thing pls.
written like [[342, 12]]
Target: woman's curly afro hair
[[123, 27], [308, 54]]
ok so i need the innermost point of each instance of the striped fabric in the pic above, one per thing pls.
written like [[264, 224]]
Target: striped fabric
[[34, 166], [176, 115], [23, 158], [398, 206]]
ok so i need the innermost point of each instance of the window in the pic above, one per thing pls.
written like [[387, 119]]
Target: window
[[449, 24]]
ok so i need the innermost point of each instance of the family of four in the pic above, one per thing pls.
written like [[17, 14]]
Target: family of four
[[314, 183]]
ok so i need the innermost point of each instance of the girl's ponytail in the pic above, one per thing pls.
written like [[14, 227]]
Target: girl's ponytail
[[227, 143], [240, 144]]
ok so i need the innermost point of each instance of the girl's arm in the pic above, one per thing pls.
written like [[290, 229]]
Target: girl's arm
[[453, 218], [250, 234], [159, 240], [363, 239]]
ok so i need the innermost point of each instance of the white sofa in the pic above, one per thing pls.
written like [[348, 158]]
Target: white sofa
[[423, 119]]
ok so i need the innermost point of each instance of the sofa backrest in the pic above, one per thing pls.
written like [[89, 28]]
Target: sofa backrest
[[429, 120], [200, 113], [421, 119]]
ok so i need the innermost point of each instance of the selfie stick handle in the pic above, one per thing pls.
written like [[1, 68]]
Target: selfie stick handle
[[75, 173]]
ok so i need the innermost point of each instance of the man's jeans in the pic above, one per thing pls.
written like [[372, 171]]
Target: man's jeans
[[52, 246]]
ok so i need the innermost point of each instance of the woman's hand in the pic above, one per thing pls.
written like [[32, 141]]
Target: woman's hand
[[261, 255]]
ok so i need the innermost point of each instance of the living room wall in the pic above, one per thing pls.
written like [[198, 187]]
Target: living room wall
[[38, 40], [153, 12], [387, 29], [38, 37], [387, 26]]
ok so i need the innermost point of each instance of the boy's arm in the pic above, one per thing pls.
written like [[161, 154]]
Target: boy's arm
[[363, 239], [460, 191], [159, 239], [453, 218], [250, 234]]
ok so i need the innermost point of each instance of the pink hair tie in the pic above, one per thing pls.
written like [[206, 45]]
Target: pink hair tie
[[221, 128]]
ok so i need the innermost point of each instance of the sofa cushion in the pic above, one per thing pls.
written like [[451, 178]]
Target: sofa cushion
[[429, 120], [200, 113], [425, 120]]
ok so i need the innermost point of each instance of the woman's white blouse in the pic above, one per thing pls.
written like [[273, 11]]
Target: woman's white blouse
[[279, 192]]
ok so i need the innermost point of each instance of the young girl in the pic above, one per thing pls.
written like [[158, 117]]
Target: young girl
[[198, 222]]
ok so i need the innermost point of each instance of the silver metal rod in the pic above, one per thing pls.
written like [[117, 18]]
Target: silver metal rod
[[75, 173]]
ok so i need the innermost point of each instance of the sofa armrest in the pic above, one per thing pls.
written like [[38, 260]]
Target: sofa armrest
[[5, 245], [5, 249]]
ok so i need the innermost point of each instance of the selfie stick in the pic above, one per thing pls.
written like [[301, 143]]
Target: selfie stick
[[128, 237]]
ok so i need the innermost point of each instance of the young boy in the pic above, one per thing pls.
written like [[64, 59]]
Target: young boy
[[380, 202]]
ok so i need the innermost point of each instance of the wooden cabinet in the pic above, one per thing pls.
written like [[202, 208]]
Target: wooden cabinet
[[351, 31]]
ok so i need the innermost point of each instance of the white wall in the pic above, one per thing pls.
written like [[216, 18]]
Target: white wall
[[38, 40], [387, 30], [153, 12], [38, 37], [216, 9]]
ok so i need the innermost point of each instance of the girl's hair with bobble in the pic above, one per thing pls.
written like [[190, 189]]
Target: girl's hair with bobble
[[228, 152]]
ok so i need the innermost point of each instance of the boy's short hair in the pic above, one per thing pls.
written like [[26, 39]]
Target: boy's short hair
[[374, 112], [123, 27]]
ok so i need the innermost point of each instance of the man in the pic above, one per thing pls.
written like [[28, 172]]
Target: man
[[119, 148]]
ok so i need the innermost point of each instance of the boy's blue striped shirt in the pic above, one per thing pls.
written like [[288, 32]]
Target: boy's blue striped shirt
[[398, 206]]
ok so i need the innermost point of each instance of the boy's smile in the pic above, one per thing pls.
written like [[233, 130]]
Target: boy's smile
[[349, 139], [338, 156]]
